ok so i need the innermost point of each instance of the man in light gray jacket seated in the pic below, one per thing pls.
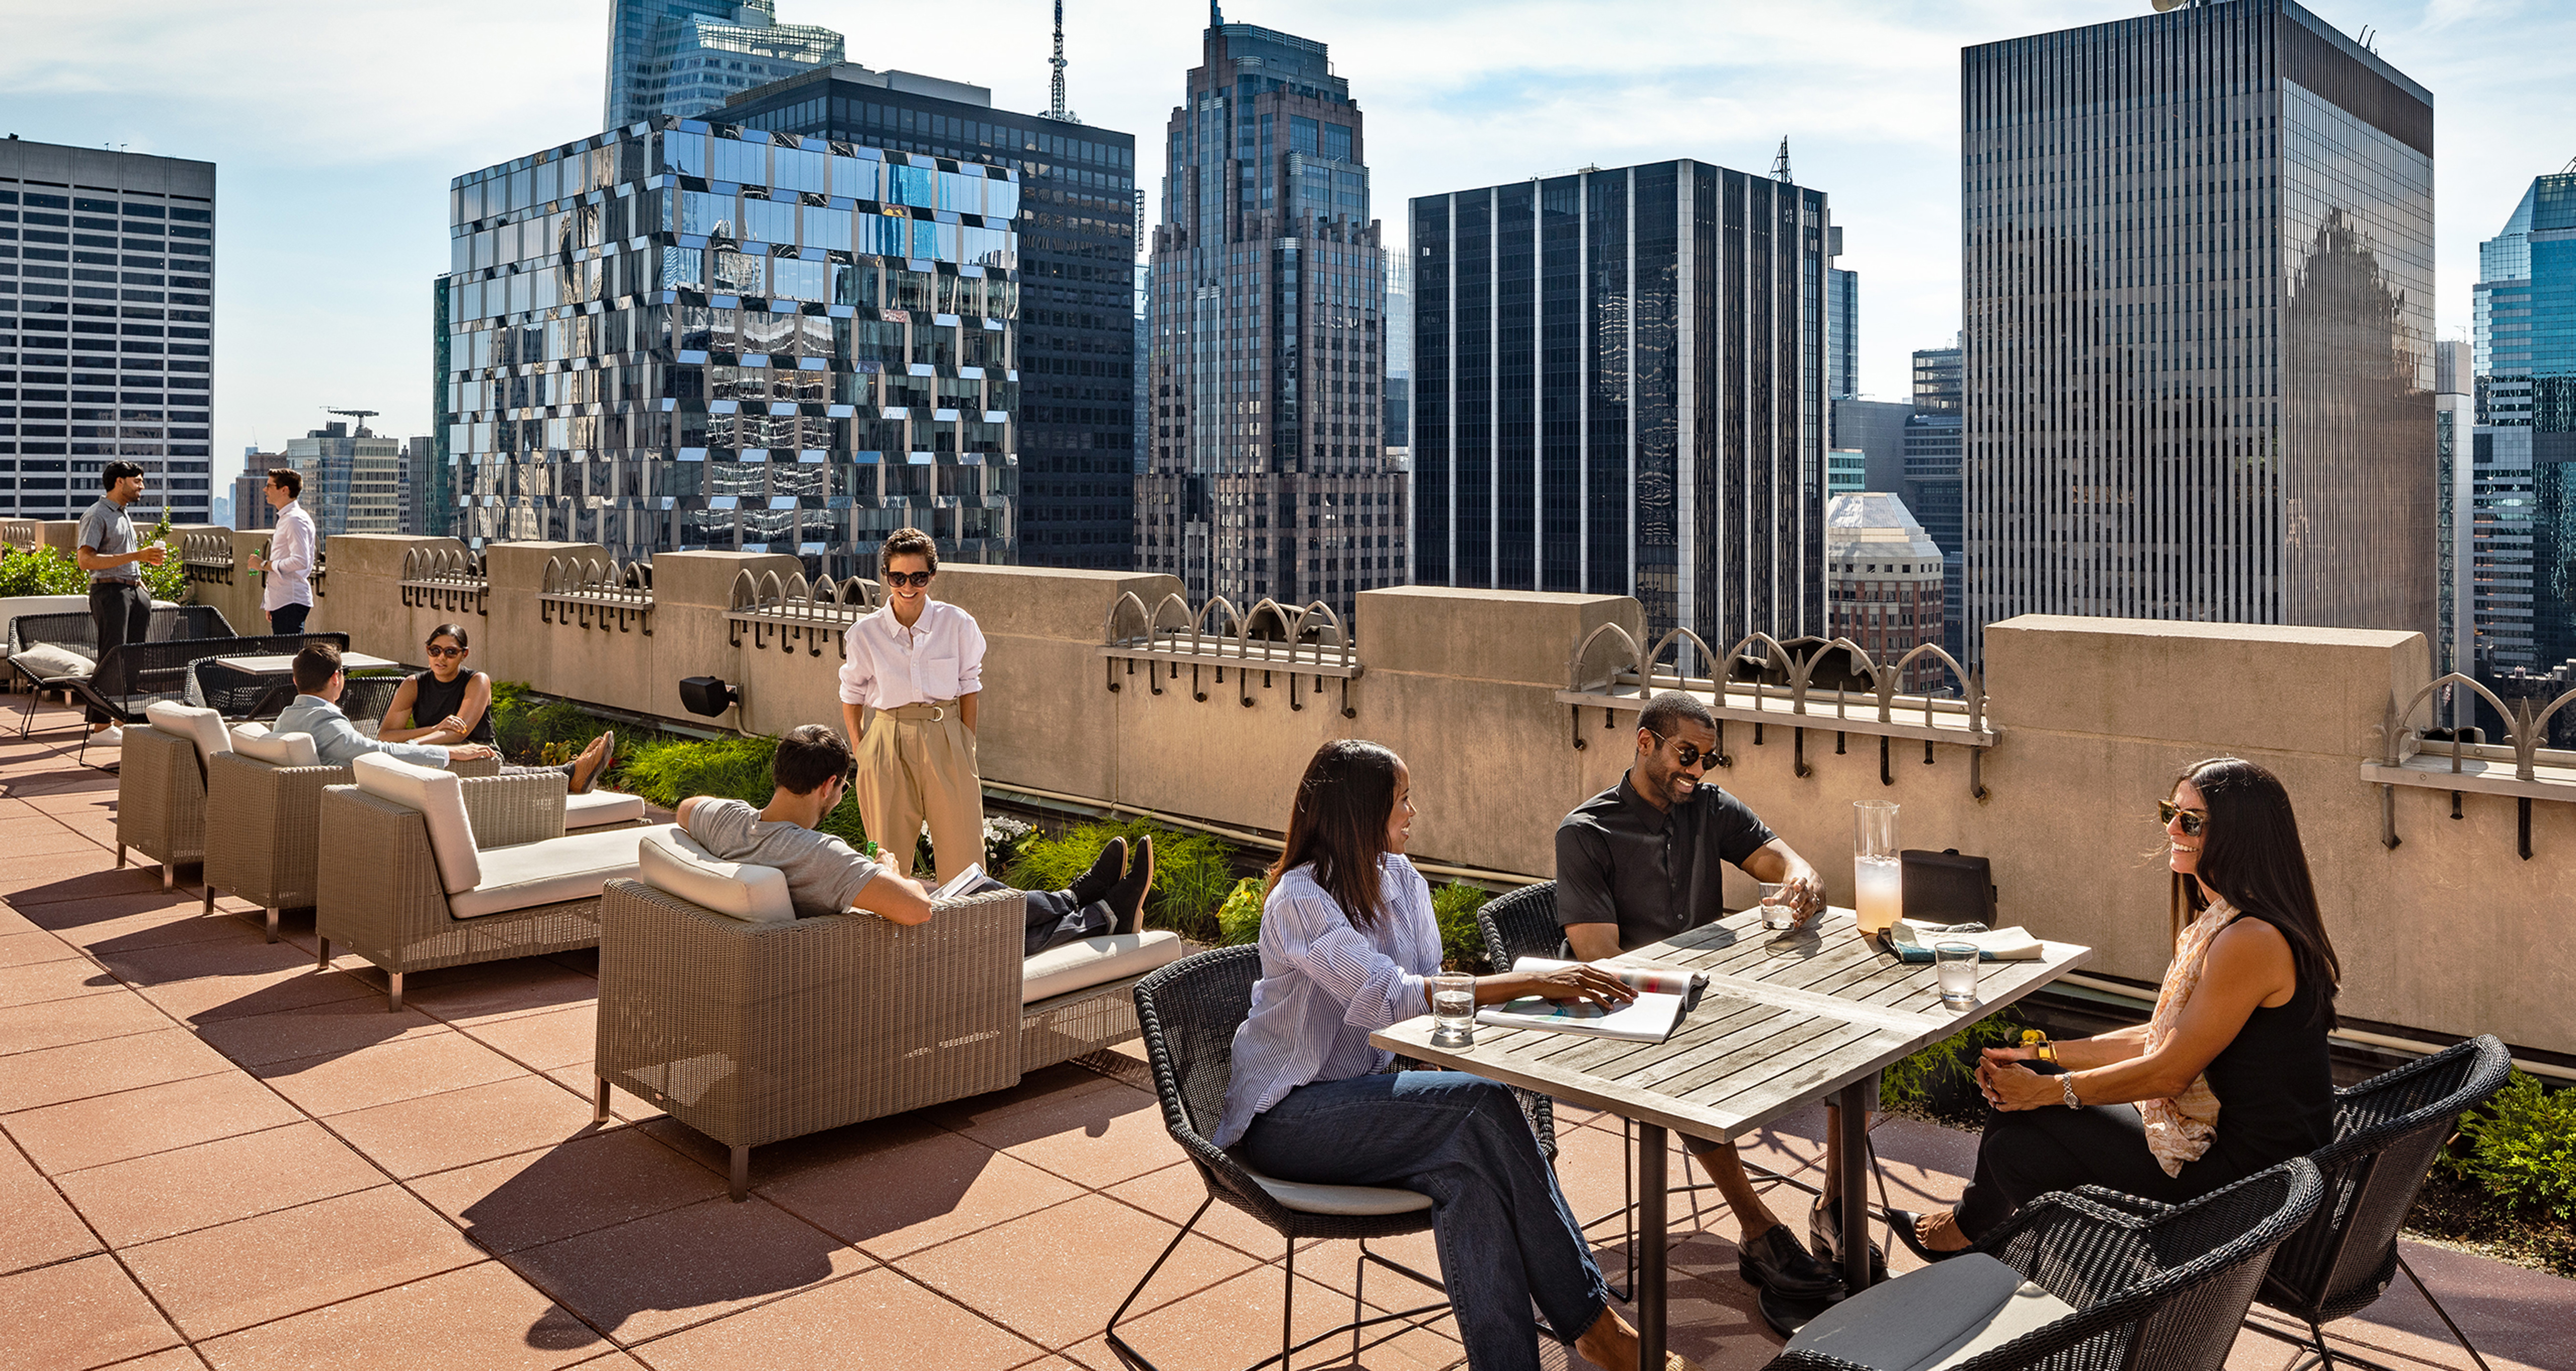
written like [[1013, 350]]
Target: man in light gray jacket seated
[[316, 711]]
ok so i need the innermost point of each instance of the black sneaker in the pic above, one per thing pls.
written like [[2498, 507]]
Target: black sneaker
[[1776, 1262], [1825, 1234]]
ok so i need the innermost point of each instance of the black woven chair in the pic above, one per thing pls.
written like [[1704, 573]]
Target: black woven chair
[[2147, 1286], [235, 696], [1188, 1012], [2386, 1131], [131, 676], [79, 632]]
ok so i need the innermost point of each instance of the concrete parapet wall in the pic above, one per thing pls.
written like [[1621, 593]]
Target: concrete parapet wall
[[2449, 932]]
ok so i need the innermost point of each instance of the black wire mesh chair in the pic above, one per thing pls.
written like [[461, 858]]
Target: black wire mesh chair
[[2386, 1131], [363, 698], [77, 631], [131, 676], [1523, 924], [1188, 1012]]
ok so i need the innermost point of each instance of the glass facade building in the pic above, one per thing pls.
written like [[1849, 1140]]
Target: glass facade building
[[2198, 285], [1268, 475], [679, 335], [686, 57], [1842, 334], [1932, 483], [1076, 339], [353, 482], [106, 329], [1619, 388], [2523, 440]]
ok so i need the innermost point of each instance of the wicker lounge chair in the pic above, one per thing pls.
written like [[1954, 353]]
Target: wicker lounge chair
[[161, 786], [2082, 1278], [441, 870]]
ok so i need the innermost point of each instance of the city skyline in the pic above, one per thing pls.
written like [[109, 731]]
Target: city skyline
[[335, 161]]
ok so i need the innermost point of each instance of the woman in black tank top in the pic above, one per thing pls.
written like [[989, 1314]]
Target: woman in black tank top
[[2229, 1077], [446, 704]]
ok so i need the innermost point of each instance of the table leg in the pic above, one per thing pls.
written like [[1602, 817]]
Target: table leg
[[1851, 1154], [1650, 1246]]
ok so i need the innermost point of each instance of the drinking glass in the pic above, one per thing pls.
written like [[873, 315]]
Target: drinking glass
[[1778, 910], [1878, 873], [1453, 1010], [1954, 965]]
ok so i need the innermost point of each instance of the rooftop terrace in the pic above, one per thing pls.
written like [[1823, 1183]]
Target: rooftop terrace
[[218, 1154]]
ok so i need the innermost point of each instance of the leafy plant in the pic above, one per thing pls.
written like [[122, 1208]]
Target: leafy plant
[[1003, 839], [1238, 920], [1910, 1084], [168, 581], [1462, 943], [668, 771], [2522, 1148], [41, 571]]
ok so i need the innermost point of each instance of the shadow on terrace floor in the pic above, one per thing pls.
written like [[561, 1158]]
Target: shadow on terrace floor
[[211, 1145]]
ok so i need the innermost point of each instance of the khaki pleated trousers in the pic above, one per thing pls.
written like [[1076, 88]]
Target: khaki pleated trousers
[[917, 765]]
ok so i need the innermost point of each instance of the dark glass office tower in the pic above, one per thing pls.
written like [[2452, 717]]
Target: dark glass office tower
[[106, 328], [1268, 475], [1619, 387], [1077, 323], [2524, 442], [2198, 286]]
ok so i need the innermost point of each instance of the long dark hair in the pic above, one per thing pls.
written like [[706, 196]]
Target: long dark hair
[[1339, 824], [2250, 854]]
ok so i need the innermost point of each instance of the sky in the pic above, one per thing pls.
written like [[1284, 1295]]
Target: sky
[[336, 126]]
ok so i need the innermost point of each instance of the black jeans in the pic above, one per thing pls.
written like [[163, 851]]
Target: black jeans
[[2026, 1153], [287, 619], [122, 613], [1054, 917]]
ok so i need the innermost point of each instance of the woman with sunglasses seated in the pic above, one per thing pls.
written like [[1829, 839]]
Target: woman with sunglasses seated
[[1348, 943], [2230, 1074], [460, 703]]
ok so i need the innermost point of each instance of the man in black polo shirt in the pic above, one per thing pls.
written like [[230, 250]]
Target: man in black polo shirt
[[1644, 860]]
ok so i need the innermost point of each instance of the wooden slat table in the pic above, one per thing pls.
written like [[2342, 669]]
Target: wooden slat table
[[1788, 1019]]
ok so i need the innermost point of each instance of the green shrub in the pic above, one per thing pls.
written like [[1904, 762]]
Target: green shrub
[[1462, 943], [168, 581], [41, 571], [1908, 1084], [1193, 873], [2522, 1148], [1238, 920], [668, 771]]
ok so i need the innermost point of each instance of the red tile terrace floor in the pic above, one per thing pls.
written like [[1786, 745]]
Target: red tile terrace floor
[[217, 1155]]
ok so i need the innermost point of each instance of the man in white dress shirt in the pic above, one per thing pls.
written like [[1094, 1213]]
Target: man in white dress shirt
[[909, 680], [288, 594]]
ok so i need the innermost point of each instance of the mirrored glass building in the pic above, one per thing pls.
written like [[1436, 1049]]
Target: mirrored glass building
[[106, 328], [2198, 289], [685, 57], [1619, 388], [2524, 438], [680, 335]]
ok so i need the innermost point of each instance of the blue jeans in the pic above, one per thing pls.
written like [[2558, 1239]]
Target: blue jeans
[[1506, 1238]]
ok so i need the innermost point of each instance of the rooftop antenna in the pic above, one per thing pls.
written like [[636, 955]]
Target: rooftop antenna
[[361, 415], [1055, 89], [1780, 164]]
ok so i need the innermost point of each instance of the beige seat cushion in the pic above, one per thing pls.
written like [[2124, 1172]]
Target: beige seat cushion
[[1307, 1198], [1097, 961], [203, 727], [674, 863], [573, 867], [276, 749], [54, 662], [1937, 1317], [601, 807], [440, 798]]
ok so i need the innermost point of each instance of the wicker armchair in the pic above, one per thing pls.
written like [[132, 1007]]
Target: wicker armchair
[[1189, 1012], [385, 900], [161, 800], [2386, 1131], [264, 828], [753, 1033], [2131, 1284]]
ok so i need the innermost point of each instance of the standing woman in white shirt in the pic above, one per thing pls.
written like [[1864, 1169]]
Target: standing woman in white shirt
[[287, 595], [909, 678]]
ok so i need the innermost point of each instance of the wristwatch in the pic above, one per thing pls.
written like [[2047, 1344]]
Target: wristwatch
[[2066, 1083]]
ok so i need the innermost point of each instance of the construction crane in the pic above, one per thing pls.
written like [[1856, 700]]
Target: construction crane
[[361, 415]]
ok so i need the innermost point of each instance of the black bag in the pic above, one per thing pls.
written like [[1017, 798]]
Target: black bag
[[1946, 888]]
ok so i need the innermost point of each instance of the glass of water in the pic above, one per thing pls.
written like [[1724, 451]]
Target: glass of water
[[1453, 1010], [1954, 965], [1779, 908]]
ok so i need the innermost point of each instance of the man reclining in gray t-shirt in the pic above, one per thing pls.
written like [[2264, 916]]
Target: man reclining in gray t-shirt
[[827, 876]]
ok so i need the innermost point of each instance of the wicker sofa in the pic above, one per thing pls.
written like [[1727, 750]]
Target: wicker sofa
[[755, 1030], [161, 786], [443, 870]]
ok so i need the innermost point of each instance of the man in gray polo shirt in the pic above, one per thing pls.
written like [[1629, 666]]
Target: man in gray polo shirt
[[118, 604]]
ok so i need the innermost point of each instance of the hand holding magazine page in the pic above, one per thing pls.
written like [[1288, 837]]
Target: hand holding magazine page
[[1639, 975], [1650, 1018]]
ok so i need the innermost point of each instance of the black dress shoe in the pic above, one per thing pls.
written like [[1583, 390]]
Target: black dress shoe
[[1825, 1235], [1903, 1220], [1776, 1262], [1104, 873]]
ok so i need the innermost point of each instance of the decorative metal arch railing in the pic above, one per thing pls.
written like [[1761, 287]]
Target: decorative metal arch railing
[[2449, 763], [589, 590], [797, 611], [1270, 638]]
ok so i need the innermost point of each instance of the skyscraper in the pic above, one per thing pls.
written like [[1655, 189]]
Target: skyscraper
[[2198, 294], [1268, 475], [1619, 388], [108, 314], [2453, 492], [1076, 323], [2524, 441], [685, 57], [1932, 483], [352, 481], [1842, 333]]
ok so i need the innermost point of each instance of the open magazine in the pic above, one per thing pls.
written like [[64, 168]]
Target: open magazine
[[960, 885], [1649, 1018]]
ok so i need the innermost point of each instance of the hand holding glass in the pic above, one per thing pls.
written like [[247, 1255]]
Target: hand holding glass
[[1779, 906], [1453, 1010]]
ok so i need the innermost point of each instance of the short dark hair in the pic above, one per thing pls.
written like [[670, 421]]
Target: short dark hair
[[808, 757], [287, 479], [456, 631], [906, 542], [315, 665], [114, 472], [1672, 708]]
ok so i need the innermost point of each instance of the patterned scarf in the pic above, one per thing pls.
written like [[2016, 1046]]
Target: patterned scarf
[[2179, 1129]]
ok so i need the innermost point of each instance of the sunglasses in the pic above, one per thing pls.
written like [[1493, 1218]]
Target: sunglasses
[[909, 578], [1688, 755], [2193, 820], [446, 652]]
